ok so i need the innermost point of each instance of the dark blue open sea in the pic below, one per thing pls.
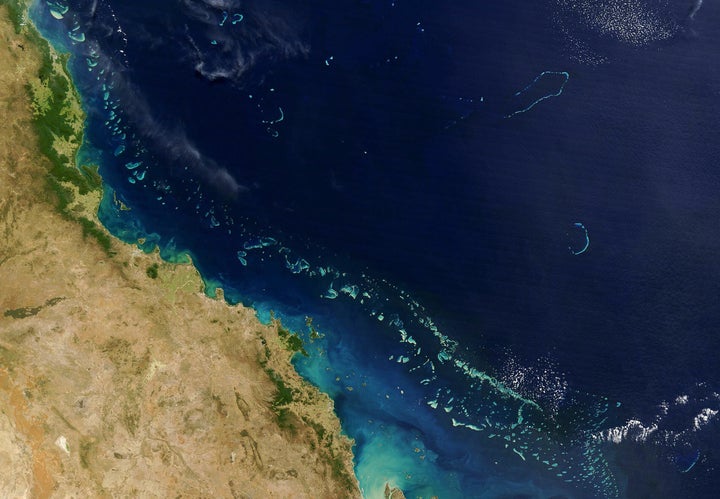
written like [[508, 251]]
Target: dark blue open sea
[[502, 217]]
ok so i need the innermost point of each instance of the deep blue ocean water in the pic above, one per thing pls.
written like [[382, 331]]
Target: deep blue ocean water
[[500, 217]]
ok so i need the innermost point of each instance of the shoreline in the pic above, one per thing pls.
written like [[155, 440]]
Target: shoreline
[[77, 192]]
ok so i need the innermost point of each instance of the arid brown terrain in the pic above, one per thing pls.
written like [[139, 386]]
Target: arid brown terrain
[[118, 376]]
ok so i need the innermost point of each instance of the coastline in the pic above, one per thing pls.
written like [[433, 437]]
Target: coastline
[[100, 355]]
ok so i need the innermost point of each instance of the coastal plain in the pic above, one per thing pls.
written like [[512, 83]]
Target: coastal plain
[[119, 377]]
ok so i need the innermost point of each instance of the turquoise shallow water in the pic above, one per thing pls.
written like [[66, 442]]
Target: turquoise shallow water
[[488, 247]]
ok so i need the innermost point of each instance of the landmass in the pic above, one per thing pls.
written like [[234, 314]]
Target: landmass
[[118, 376], [393, 492]]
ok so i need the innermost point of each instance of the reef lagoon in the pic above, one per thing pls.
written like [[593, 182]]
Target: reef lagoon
[[492, 225]]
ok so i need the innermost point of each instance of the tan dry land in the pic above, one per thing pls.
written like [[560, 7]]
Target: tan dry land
[[116, 384]]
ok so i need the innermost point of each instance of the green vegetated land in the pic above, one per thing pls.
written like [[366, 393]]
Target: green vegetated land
[[59, 120], [292, 340]]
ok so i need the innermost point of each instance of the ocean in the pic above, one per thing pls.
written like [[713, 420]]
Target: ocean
[[493, 224]]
